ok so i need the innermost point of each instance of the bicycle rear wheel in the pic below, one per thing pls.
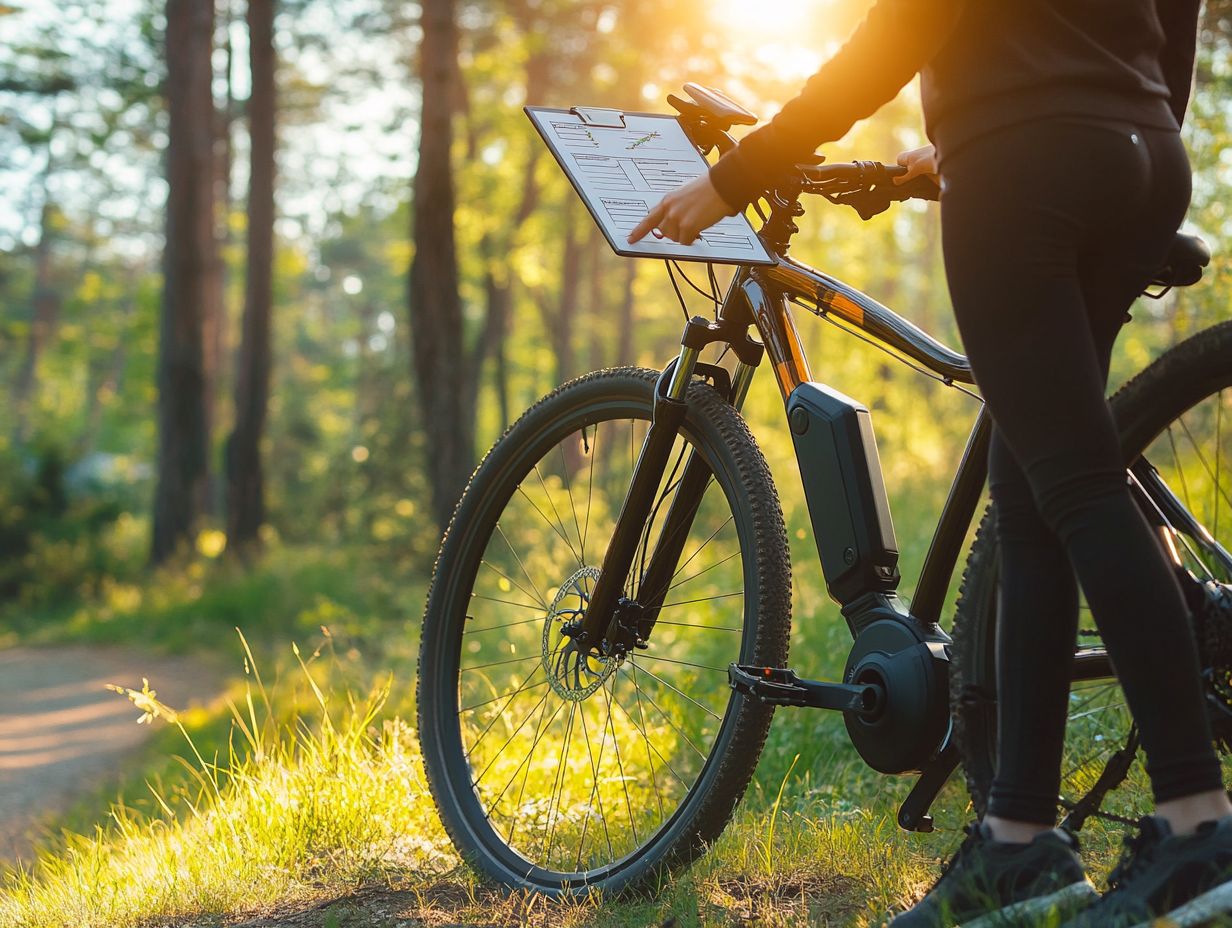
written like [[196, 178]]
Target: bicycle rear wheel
[[558, 772], [1176, 422]]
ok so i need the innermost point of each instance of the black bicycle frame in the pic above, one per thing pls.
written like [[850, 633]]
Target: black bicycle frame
[[762, 297]]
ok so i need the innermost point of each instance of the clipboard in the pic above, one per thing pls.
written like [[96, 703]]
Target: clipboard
[[621, 165]]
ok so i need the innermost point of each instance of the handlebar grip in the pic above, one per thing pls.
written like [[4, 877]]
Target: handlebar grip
[[870, 172], [918, 188]]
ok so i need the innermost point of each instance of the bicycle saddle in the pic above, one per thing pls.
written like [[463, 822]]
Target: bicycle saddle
[[1187, 256]]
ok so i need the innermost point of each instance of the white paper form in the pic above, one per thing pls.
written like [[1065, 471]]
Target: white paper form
[[621, 172]]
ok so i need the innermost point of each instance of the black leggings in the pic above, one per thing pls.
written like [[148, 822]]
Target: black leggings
[[1050, 230]]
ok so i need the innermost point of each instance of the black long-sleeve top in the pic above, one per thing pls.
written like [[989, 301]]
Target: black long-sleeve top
[[985, 64]]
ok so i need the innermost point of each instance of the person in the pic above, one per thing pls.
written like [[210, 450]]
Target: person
[[1055, 131]]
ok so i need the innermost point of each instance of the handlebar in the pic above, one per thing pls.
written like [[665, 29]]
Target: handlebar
[[866, 186]]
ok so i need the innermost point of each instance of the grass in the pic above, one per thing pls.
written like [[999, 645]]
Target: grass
[[306, 805], [303, 801], [299, 812]]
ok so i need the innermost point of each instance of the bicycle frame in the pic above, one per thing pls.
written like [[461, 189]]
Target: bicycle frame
[[842, 475], [769, 293], [762, 297]]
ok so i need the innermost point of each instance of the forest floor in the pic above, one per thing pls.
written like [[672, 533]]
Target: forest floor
[[63, 734], [297, 799]]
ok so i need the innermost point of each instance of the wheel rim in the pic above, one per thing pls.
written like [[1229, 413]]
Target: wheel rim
[[576, 765]]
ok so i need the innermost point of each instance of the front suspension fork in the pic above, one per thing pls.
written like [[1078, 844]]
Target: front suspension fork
[[670, 410], [614, 623]]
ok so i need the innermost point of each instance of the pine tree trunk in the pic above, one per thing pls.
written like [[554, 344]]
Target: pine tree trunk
[[188, 256], [434, 304], [245, 480], [217, 319]]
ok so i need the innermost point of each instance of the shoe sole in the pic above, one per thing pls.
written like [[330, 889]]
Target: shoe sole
[[1064, 902], [1197, 911]]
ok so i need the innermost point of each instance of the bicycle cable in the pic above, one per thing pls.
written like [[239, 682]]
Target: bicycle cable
[[684, 306], [712, 296], [919, 369]]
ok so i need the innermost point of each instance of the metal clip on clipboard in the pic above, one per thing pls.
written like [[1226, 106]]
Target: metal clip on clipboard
[[600, 117]]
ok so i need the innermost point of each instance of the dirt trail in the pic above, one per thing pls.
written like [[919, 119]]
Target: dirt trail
[[63, 734]]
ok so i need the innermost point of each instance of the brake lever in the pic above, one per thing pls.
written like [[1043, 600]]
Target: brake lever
[[872, 201]]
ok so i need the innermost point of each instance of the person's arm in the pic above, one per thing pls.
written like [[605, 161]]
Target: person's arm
[[1180, 21], [895, 40]]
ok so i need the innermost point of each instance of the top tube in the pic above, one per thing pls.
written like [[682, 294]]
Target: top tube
[[830, 295]]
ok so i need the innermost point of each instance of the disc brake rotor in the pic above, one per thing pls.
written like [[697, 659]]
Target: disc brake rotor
[[572, 673]]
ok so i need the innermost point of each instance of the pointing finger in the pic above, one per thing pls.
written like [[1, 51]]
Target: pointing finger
[[653, 218]]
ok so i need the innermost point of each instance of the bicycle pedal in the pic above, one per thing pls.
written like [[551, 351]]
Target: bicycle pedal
[[778, 686]]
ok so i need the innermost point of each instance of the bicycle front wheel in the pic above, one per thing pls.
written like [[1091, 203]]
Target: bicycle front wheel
[[559, 772]]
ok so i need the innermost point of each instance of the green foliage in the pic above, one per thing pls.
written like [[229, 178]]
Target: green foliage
[[349, 542], [60, 541]]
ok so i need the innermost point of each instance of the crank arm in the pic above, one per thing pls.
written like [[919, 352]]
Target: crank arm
[[913, 813], [779, 686]]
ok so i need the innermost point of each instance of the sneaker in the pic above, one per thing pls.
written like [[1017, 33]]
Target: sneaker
[[991, 884], [1184, 879]]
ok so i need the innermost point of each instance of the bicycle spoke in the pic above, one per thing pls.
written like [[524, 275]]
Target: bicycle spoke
[[552, 525], [562, 532], [609, 698], [1176, 460], [488, 702], [700, 599], [493, 628], [594, 792], [1218, 450], [510, 580], [637, 694], [1090, 712], [540, 730], [671, 722], [511, 660], [495, 717], [505, 602], [646, 737], [709, 628], [699, 547], [572, 506], [647, 656], [1205, 464], [590, 481], [561, 773], [525, 762], [704, 570], [655, 676]]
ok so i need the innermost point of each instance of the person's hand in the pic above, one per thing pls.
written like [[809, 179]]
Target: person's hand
[[919, 162], [684, 213]]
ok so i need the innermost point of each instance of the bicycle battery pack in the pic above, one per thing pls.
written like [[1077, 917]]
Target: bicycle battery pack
[[846, 494]]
